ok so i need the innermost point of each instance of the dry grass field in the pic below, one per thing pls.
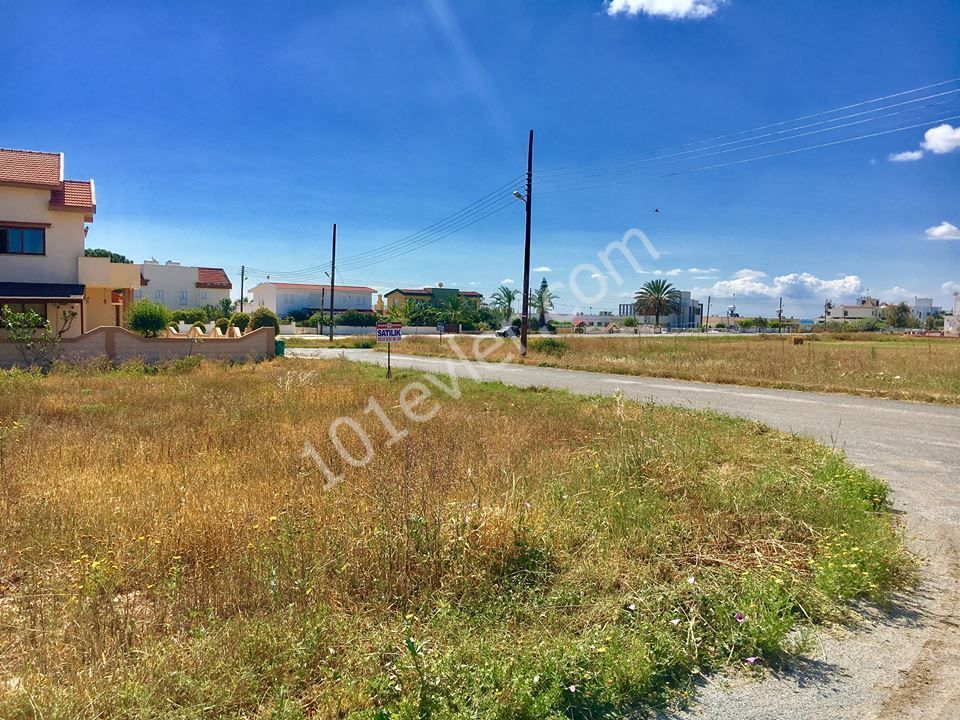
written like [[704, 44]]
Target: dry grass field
[[167, 550], [922, 369]]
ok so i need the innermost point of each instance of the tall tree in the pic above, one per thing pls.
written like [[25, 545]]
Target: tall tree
[[503, 299], [542, 301], [657, 297]]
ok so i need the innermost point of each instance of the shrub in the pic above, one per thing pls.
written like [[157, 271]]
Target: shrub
[[223, 324], [297, 316], [148, 318], [550, 346], [201, 325], [318, 318], [240, 320], [190, 316], [264, 317], [629, 322], [355, 318], [364, 343], [516, 322]]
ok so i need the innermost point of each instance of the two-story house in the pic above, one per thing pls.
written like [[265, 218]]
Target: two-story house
[[42, 233], [179, 286]]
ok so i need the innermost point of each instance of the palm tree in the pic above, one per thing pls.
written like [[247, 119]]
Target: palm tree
[[542, 301], [453, 311], [503, 300], [657, 297]]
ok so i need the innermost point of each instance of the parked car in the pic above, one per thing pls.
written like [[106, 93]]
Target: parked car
[[509, 331]]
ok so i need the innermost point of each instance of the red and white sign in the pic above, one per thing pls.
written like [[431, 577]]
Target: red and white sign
[[389, 332]]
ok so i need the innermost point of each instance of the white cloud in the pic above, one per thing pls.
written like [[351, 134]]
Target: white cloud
[[748, 283], [542, 268], [941, 139], [905, 156], [597, 276], [703, 271], [671, 9], [943, 231], [507, 281], [473, 283], [668, 273], [950, 287], [706, 277]]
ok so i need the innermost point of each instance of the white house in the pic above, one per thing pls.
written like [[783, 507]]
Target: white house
[[284, 298], [867, 308], [42, 236], [179, 287]]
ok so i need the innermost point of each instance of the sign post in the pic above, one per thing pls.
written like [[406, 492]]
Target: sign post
[[440, 330], [389, 332]]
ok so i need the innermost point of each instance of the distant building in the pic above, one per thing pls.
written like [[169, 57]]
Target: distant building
[[689, 314], [866, 308], [951, 323], [435, 296], [924, 308], [285, 298], [179, 287]]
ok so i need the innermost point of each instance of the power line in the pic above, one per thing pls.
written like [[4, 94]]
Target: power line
[[787, 135], [752, 159], [801, 118]]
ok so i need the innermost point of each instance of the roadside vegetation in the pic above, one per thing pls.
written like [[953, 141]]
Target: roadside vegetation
[[168, 551], [904, 368]]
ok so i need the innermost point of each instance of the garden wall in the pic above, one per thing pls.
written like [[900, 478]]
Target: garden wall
[[120, 344]]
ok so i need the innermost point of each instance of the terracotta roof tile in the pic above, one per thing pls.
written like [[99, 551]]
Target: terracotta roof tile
[[78, 194], [213, 278], [26, 167]]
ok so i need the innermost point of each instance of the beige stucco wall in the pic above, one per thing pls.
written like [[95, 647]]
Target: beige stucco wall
[[98, 310], [64, 238], [119, 344]]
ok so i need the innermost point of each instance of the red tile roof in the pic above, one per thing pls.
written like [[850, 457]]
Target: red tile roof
[[74, 195], [471, 293], [215, 278], [26, 167], [311, 288]]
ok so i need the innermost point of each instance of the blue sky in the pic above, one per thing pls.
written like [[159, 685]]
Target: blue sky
[[229, 134]]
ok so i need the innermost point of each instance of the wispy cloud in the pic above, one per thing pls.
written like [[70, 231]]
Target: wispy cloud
[[943, 231], [472, 71], [507, 281], [950, 287], [906, 156], [671, 9], [703, 271], [542, 268], [668, 273]]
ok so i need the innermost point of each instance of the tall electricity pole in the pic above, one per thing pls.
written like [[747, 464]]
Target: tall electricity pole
[[708, 312], [528, 200], [243, 273], [780, 317], [333, 274]]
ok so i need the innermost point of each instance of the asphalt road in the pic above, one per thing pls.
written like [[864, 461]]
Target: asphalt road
[[904, 663]]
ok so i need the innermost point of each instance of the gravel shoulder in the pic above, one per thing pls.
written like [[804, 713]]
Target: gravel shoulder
[[900, 663]]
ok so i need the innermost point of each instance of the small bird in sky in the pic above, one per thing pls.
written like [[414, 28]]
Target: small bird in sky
[[657, 210]]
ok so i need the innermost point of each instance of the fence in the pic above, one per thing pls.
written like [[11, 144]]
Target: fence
[[119, 344]]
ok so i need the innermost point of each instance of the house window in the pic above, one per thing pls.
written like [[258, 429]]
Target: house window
[[22, 241], [158, 295], [203, 294], [137, 294], [183, 297], [39, 308]]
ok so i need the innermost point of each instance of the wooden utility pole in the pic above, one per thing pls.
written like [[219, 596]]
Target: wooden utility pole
[[243, 273], [707, 323], [528, 200], [780, 318], [333, 274]]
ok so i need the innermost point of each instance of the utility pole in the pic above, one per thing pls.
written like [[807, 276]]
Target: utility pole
[[780, 318], [323, 297], [333, 274], [243, 274], [708, 312], [525, 315]]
